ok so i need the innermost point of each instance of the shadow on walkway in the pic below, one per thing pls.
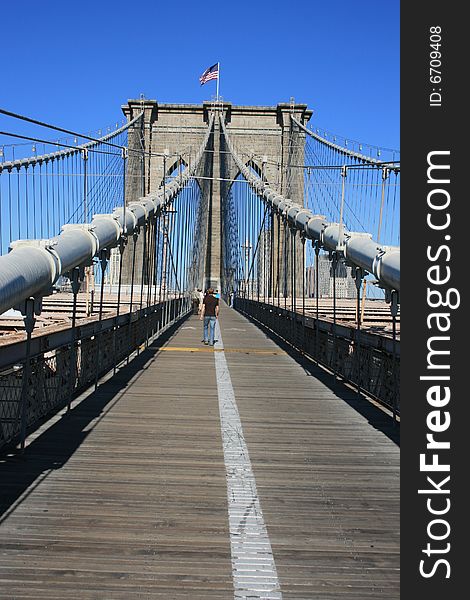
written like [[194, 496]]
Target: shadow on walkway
[[20, 474]]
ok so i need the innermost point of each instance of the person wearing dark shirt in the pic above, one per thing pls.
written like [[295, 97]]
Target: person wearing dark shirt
[[210, 313]]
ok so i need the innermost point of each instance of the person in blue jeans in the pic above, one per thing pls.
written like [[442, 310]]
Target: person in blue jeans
[[210, 313]]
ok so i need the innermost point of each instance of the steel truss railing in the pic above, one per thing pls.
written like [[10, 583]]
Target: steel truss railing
[[34, 387], [372, 365]]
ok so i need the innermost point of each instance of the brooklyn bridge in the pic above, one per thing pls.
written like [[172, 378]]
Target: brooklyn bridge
[[138, 462]]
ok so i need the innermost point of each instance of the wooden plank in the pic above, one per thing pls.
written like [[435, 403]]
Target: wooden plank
[[127, 498], [328, 481]]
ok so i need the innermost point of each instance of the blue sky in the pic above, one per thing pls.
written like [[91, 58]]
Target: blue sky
[[75, 63]]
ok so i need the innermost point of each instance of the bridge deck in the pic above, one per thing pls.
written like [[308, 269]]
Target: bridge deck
[[127, 497]]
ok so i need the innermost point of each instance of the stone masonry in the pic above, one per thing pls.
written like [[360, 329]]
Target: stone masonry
[[265, 137]]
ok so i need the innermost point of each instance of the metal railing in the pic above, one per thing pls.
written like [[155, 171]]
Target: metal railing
[[34, 388], [371, 363]]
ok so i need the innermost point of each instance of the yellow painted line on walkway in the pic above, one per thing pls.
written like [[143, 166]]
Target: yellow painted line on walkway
[[205, 349]]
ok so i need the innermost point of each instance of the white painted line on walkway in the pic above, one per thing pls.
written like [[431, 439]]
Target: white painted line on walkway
[[253, 568]]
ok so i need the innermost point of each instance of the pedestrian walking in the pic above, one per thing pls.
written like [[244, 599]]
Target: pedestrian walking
[[195, 302], [209, 313], [200, 296]]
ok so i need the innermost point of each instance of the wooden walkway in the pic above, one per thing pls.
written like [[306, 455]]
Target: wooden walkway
[[126, 498]]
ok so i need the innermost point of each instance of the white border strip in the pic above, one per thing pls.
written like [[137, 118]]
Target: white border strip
[[253, 568]]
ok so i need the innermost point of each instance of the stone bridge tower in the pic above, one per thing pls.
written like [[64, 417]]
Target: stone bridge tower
[[266, 138]]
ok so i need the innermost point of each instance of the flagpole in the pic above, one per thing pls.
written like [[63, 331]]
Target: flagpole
[[218, 79]]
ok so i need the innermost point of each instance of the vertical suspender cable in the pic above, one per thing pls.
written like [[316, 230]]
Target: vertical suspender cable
[[18, 205], [103, 264], [317, 295], [26, 200], [75, 282], [134, 245], [122, 246], [335, 349], [302, 239]]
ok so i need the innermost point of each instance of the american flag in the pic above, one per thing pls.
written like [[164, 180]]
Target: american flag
[[210, 73]]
